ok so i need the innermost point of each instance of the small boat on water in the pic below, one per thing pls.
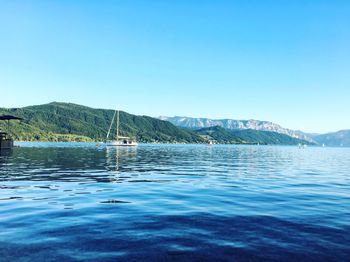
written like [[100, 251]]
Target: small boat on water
[[302, 146], [6, 141], [120, 141]]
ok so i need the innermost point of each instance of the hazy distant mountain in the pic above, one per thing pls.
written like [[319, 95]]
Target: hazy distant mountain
[[247, 136], [340, 138], [196, 123]]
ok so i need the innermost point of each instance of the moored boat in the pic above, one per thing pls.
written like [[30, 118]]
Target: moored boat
[[120, 141], [6, 142]]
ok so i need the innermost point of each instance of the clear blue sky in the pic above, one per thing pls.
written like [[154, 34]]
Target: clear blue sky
[[279, 60]]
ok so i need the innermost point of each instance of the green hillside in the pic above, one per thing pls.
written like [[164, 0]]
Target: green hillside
[[219, 135], [247, 136], [71, 122]]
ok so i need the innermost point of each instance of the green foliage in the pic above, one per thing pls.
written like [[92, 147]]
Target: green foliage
[[71, 122], [247, 136], [219, 135]]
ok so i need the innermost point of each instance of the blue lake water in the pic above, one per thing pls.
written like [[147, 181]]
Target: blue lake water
[[74, 201]]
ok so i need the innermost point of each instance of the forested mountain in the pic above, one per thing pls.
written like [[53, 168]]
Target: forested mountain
[[247, 136], [72, 122]]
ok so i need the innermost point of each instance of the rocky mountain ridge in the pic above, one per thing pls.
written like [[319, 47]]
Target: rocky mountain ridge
[[232, 124]]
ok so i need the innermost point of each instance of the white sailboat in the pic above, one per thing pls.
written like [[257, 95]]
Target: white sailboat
[[120, 141]]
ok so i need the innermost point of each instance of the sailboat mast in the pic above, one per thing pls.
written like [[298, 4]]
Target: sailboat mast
[[110, 127], [118, 126]]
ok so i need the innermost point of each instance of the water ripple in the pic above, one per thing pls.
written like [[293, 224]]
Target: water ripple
[[73, 201]]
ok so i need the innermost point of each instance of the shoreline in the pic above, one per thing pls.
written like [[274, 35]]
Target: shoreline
[[159, 143]]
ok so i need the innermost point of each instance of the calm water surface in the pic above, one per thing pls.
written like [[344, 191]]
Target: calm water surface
[[74, 202]]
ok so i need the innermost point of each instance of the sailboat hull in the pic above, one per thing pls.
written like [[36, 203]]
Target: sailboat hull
[[121, 143]]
